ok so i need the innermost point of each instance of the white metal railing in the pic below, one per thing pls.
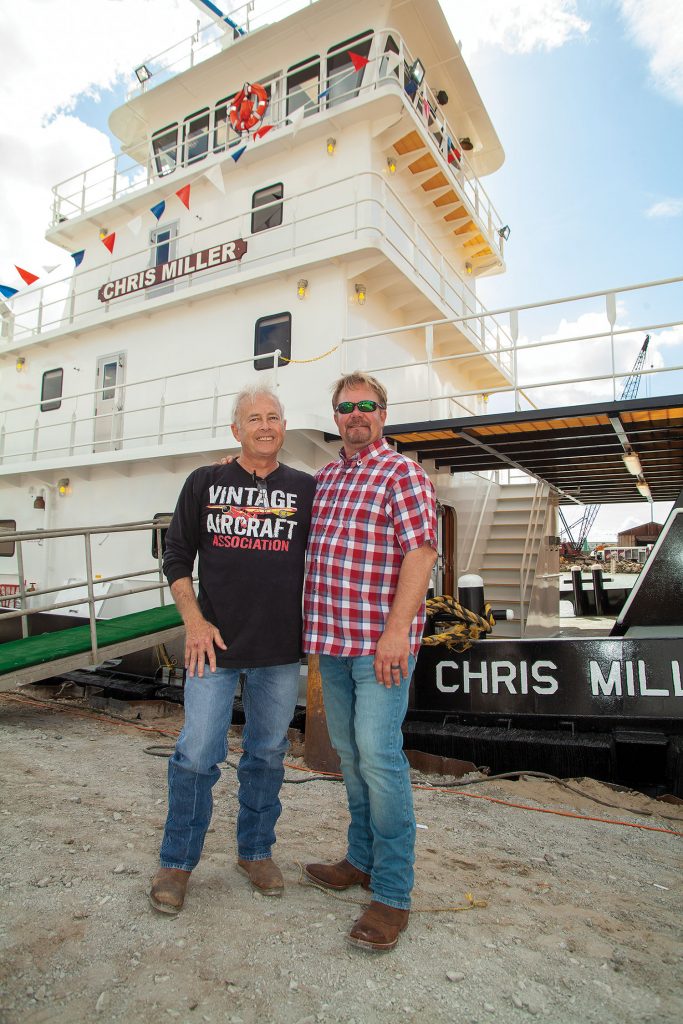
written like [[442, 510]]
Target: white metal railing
[[122, 176], [25, 600], [534, 533], [194, 404], [363, 205]]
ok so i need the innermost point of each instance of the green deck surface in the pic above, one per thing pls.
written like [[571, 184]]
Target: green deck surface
[[36, 650]]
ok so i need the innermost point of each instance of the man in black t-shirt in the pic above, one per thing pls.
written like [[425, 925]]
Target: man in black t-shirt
[[248, 522]]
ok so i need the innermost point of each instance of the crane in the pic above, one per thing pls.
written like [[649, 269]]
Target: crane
[[584, 524]]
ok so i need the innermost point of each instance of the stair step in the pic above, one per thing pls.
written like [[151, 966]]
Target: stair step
[[502, 560], [505, 546], [493, 576], [516, 531]]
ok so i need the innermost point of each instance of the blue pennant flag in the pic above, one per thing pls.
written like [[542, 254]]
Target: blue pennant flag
[[77, 257], [324, 93], [158, 209], [7, 292], [238, 153]]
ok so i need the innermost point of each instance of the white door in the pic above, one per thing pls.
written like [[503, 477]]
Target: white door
[[109, 402]]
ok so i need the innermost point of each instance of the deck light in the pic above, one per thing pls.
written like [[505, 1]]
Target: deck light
[[417, 72], [504, 232], [63, 487], [644, 489], [361, 294], [301, 288], [632, 463], [331, 146], [39, 503], [466, 144], [468, 268], [391, 165], [143, 74], [20, 364]]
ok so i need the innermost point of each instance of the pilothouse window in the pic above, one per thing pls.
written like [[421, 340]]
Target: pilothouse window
[[303, 86], [196, 136], [343, 81], [165, 147]]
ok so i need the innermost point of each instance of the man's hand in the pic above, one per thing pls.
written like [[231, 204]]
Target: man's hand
[[391, 658], [200, 638]]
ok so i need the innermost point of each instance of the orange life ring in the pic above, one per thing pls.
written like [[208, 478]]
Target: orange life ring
[[248, 107]]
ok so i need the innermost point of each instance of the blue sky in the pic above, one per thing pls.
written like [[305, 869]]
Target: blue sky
[[587, 98]]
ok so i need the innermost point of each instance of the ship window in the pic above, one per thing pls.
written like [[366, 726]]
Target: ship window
[[343, 81], [391, 46], [109, 373], [51, 390], [266, 205], [273, 332], [196, 136], [161, 521], [163, 244], [165, 147], [303, 86], [7, 546], [221, 124]]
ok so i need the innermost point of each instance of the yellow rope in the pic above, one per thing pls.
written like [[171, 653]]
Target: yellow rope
[[466, 626], [315, 359]]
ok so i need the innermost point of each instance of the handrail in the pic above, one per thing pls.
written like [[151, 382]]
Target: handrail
[[537, 512]]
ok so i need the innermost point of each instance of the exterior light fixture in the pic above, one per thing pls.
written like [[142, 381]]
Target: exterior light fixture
[[468, 268], [417, 72], [20, 364], [143, 74], [301, 288], [644, 489], [504, 232], [331, 146], [466, 144], [391, 165], [63, 487], [442, 97], [632, 463], [103, 232], [39, 503], [361, 294]]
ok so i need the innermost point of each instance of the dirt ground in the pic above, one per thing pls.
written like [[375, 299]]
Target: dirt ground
[[572, 919]]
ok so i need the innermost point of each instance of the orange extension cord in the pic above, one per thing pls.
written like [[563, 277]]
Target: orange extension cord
[[334, 775]]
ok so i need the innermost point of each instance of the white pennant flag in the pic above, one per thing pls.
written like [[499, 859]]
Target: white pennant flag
[[296, 119], [135, 225], [393, 60], [215, 176]]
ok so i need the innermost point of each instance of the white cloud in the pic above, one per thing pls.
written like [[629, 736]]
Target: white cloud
[[657, 27], [515, 27], [665, 208], [52, 54]]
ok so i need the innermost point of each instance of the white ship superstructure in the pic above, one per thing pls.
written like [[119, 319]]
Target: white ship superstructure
[[346, 230]]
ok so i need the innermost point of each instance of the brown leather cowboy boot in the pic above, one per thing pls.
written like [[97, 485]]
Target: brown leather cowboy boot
[[168, 890], [341, 875], [264, 875], [378, 927]]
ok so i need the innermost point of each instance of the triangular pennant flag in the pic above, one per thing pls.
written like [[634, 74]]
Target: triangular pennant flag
[[263, 130], [237, 153], [158, 209], [358, 61], [26, 275], [296, 118], [77, 257], [393, 61], [324, 93], [7, 292], [453, 153], [109, 241], [425, 108], [215, 176], [184, 195], [49, 269], [134, 225]]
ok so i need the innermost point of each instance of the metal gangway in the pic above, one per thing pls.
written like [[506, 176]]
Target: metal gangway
[[39, 655]]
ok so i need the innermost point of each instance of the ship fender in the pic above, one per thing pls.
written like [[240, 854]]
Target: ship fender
[[248, 107]]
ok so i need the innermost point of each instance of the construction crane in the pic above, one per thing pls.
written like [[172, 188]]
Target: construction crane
[[590, 512]]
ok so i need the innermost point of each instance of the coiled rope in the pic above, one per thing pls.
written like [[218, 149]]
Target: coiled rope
[[464, 626]]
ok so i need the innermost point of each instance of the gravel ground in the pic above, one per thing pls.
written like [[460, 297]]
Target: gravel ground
[[572, 920]]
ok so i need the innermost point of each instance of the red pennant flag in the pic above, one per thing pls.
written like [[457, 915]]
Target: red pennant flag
[[263, 130], [453, 155], [358, 61], [26, 275], [184, 195], [108, 241]]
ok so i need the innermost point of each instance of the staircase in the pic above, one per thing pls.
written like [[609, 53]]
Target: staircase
[[512, 551]]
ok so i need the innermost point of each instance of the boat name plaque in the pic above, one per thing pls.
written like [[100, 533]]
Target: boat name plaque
[[164, 273]]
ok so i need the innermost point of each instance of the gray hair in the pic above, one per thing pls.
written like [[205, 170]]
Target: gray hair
[[249, 394]]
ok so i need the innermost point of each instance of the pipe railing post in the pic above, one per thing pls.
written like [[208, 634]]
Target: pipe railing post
[[91, 596], [22, 589]]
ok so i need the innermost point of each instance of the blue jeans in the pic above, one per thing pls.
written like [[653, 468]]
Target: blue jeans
[[364, 721], [269, 698]]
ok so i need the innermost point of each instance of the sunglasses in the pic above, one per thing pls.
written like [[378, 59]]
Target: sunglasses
[[365, 405]]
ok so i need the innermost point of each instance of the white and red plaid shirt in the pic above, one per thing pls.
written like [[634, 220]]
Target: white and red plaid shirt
[[369, 511]]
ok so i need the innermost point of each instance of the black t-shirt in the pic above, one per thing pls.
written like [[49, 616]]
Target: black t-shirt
[[251, 536]]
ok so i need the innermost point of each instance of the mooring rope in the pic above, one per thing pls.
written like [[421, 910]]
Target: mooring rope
[[465, 626]]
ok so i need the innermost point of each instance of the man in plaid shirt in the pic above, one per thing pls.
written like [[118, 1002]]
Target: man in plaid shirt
[[371, 551]]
